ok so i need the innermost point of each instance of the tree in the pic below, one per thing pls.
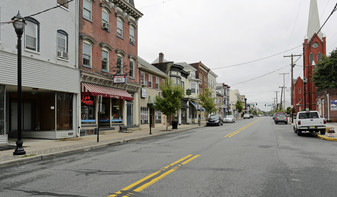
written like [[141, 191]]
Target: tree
[[239, 106], [207, 101], [325, 75], [170, 100]]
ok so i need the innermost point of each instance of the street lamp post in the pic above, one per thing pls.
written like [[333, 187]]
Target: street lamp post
[[19, 26], [305, 93], [150, 106]]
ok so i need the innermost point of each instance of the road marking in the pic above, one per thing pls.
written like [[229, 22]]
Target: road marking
[[149, 180], [241, 129]]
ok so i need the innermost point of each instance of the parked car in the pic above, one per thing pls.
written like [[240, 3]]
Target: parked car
[[309, 121], [246, 116], [214, 120], [251, 115], [281, 117], [229, 118], [279, 112]]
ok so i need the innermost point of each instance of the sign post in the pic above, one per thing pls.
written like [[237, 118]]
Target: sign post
[[99, 114]]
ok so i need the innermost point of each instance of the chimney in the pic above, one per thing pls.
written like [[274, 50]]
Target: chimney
[[161, 57]]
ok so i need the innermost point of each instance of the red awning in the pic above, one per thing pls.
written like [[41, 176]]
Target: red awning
[[96, 90]]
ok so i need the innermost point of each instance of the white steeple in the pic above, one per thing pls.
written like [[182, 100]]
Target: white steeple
[[313, 23]]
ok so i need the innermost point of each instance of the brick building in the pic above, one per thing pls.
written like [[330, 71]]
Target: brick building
[[108, 63], [298, 96], [327, 104]]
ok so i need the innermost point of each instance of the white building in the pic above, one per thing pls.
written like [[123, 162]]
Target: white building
[[234, 96], [50, 76]]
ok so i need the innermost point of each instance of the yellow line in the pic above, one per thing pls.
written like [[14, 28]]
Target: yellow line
[[141, 188], [151, 175], [241, 129], [185, 162]]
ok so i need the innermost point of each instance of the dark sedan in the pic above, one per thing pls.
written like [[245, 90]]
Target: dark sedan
[[214, 120]]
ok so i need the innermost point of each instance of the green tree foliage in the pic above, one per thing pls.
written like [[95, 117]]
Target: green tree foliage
[[288, 111], [239, 106], [170, 100], [325, 75], [207, 101]]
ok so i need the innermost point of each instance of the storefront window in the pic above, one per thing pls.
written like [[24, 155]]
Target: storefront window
[[88, 115], [158, 116], [2, 110], [117, 111], [64, 111], [105, 113], [144, 115]]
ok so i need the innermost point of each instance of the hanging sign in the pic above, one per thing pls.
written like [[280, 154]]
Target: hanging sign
[[120, 79]]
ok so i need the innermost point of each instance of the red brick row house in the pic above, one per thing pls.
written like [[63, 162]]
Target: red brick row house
[[108, 51]]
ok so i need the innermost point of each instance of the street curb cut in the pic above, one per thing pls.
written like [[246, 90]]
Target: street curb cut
[[30, 159]]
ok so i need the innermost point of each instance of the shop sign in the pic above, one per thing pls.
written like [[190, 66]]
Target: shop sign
[[120, 79], [87, 100], [143, 93]]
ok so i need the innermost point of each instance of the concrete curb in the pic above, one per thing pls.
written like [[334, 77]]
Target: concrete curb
[[327, 138], [29, 159]]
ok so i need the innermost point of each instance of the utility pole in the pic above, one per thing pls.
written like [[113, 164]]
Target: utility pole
[[292, 83], [276, 100], [284, 86]]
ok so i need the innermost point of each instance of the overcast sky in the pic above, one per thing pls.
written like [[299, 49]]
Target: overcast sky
[[221, 33]]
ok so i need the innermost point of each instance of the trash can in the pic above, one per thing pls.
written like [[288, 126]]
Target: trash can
[[174, 124]]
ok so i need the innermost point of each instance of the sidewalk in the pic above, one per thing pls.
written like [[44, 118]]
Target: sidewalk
[[38, 149]]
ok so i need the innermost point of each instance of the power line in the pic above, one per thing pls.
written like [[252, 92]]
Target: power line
[[261, 75], [154, 4], [234, 65], [46, 10]]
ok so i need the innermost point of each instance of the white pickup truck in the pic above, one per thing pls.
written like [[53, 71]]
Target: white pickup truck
[[309, 121]]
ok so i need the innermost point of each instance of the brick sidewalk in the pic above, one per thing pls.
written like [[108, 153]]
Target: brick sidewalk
[[37, 149]]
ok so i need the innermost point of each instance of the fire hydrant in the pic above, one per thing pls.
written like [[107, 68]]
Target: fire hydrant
[[331, 132]]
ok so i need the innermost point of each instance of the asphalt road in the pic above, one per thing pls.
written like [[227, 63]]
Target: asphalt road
[[252, 157]]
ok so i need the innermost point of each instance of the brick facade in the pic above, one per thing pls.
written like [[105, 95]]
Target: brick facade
[[298, 97], [324, 104]]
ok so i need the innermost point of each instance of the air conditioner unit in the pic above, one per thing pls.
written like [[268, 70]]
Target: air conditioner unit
[[62, 54], [144, 83], [106, 26]]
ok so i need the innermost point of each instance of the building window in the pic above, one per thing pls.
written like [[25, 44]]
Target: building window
[[299, 90], [311, 58], [120, 64], [319, 57], [193, 89], [157, 116], [157, 83], [105, 60], [142, 78], [32, 34], [105, 19], [87, 54], [183, 84], [132, 35], [2, 110], [299, 100], [144, 115], [62, 44], [132, 69], [119, 28], [150, 81], [63, 3], [87, 9]]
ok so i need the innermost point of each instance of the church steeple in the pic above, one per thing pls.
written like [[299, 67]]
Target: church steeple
[[313, 23]]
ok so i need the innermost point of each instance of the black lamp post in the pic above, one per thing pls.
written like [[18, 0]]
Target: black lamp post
[[305, 93], [19, 26], [150, 106]]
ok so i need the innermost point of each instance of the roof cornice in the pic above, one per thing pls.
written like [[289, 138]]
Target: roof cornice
[[130, 9]]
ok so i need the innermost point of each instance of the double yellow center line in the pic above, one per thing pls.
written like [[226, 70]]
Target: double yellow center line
[[142, 184], [241, 129]]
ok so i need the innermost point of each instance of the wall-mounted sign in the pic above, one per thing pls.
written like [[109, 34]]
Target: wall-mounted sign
[[120, 79], [87, 100], [143, 94], [333, 105]]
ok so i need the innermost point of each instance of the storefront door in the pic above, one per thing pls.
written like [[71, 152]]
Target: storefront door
[[129, 111]]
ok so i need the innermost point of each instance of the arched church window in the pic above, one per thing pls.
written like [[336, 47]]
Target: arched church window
[[319, 57], [311, 58]]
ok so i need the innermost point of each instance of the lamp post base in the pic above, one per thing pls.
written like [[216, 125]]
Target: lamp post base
[[19, 149]]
